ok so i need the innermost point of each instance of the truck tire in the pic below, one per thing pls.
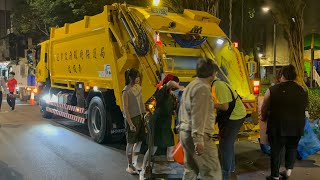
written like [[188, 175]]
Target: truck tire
[[98, 122], [44, 112]]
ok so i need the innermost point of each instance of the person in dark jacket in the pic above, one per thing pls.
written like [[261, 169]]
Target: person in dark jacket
[[162, 117], [284, 110]]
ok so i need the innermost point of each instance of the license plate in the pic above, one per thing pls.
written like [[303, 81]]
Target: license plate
[[161, 11]]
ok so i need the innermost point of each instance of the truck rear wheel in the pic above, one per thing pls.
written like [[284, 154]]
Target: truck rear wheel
[[98, 122], [44, 112]]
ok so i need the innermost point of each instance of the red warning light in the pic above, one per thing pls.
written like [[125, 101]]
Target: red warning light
[[236, 44], [158, 40]]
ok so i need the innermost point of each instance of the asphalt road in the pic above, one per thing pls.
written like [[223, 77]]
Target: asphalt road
[[37, 149], [32, 148]]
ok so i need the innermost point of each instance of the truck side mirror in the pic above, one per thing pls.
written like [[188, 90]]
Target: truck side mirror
[[252, 67]]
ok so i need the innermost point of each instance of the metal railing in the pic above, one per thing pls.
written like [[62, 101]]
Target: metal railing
[[316, 76]]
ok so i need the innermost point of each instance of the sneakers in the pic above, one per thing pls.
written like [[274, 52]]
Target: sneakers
[[141, 174], [131, 170], [137, 167]]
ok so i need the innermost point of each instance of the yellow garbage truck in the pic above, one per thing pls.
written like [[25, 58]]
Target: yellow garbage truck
[[82, 65]]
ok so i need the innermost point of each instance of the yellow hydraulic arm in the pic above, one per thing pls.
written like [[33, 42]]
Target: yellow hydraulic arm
[[141, 43]]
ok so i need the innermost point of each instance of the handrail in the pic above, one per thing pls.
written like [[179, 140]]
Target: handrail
[[316, 76]]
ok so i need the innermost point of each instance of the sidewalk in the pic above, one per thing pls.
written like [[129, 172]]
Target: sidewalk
[[251, 164]]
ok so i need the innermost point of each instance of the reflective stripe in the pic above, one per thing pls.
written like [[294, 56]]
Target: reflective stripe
[[68, 107], [66, 115], [249, 105]]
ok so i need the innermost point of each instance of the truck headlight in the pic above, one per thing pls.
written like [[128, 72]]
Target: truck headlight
[[35, 90], [46, 98]]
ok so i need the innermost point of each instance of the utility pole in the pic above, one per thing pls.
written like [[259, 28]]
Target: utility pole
[[230, 20], [274, 50], [5, 17], [312, 59], [242, 18]]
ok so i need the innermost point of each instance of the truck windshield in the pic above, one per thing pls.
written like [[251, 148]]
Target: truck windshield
[[183, 62]]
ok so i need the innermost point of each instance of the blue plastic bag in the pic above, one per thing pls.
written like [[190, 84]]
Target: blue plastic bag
[[31, 80], [309, 143], [265, 148]]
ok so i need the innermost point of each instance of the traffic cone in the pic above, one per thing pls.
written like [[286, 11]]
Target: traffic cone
[[32, 98]]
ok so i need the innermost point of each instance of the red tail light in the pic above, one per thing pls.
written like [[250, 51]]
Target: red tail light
[[256, 87], [158, 40]]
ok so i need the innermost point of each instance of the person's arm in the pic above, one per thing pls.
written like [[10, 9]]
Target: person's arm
[[126, 110], [220, 97], [173, 85], [223, 107], [161, 94], [265, 106], [307, 104], [4, 86], [199, 114], [15, 86]]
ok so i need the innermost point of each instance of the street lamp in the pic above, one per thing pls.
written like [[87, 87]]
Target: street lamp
[[267, 10], [156, 2]]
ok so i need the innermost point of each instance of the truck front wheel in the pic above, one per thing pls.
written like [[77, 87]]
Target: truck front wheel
[[44, 112], [97, 121]]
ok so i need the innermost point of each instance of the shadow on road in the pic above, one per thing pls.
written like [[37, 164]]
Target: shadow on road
[[306, 163], [7, 173], [83, 129], [11, 125]]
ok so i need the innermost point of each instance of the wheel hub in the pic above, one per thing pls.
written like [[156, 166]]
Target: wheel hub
[[96, 120]]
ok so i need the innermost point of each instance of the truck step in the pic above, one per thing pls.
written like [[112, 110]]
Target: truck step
[[66, 115]]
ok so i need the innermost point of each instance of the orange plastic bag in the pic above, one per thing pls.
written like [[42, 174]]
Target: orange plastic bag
[[178, 154]]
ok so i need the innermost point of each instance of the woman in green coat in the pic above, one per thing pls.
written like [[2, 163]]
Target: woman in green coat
[[162, 117]]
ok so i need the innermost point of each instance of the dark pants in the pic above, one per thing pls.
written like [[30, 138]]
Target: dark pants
[[228, 133], [1, 98], [277, 144], [11, 100]]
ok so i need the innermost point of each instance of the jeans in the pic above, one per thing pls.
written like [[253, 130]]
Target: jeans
[[277, 144], [228, 134]]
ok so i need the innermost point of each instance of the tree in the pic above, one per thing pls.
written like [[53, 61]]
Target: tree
[[289, 14], [209, 6], [37, 16]]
